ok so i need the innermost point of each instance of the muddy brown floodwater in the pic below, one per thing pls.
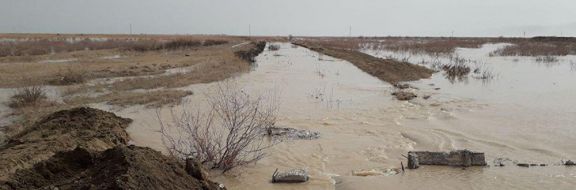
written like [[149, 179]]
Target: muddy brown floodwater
[[524, 114]]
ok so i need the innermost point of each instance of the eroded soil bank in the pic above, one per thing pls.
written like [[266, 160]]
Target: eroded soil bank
[[85, 148]]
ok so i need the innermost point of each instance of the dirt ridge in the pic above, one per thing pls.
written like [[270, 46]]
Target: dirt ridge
[[388, 70]]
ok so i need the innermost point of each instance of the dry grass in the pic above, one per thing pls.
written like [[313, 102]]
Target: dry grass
[[391, 71], [433, 46], [219, 68], [95, 64], [539, 46], [413, 45], [42, 44], [151, 99], [530, 48], [69, 77], [214, 59]]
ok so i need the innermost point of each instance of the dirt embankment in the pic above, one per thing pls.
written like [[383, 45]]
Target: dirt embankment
[[65, 130], [253, 49], [388, 70], [85, 148]]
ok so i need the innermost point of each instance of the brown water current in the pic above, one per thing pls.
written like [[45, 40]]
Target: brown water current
[[525, 113]]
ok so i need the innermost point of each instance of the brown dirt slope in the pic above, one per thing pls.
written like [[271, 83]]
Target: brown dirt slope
[[86, 148], [122, 167], [92, 129], [388, 70]]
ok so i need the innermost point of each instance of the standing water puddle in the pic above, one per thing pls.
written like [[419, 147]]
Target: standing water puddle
[[524, 114]]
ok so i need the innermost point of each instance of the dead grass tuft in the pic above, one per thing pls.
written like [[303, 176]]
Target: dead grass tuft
[[27, 96]]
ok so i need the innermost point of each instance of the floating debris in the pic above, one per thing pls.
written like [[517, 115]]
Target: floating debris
[[523, 165], [376, 172]]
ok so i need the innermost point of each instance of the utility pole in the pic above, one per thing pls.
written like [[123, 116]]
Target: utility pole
[[350, 31], [130, 29], [249, 30]]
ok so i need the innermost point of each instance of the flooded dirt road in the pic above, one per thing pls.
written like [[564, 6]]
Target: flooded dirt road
[[524, 114]]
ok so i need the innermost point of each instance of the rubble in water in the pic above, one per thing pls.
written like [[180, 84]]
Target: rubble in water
[[463, 158], [292, 176], [292, 133]]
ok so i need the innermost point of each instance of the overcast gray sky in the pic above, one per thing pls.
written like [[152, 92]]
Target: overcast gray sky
[[298, 17]]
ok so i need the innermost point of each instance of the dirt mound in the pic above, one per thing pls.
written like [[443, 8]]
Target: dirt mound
[[92, 129], [122, 167], [388, 70], [85, 148]]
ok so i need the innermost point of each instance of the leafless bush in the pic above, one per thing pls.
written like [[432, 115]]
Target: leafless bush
[[27, 96], [228, 135]]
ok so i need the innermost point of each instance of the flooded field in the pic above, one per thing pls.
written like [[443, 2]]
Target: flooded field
[[522, 113]]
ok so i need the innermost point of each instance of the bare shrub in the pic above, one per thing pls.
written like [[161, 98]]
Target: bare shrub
[[27, 96], [228, 135]]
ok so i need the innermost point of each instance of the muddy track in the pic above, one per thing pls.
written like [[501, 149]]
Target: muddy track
[[388, 70]]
